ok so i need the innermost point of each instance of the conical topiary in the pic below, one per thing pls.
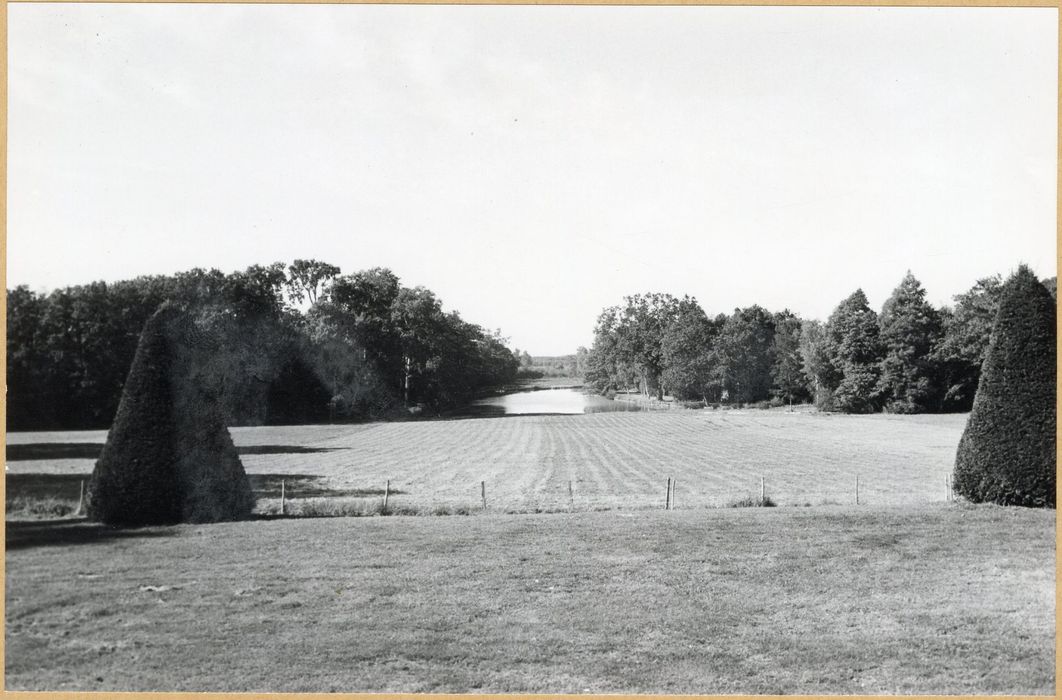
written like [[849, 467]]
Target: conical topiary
[[168, 457], [1007, 452]]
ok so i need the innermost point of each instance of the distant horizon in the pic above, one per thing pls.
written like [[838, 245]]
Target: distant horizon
[[533, 165]]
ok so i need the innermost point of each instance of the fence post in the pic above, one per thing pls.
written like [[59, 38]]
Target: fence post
[[571, 497], [763, 491], [387, 493], [674, 482], [483, 493], [857, 489], [282, 497], [81, 498], [667, 498], [947, 488]]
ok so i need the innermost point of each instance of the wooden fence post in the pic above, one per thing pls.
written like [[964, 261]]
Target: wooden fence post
[[763, 491], [483, 493], [674, 483], [857, 489], [81, 498], [667, 498], [387, 493], [571, 497], [282, 497]]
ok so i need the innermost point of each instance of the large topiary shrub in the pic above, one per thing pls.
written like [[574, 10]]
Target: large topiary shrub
[[1007, 452], [168, 457]]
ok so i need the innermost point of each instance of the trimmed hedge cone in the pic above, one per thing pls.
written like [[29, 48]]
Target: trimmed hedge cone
[[1007, 452], [168, 456]]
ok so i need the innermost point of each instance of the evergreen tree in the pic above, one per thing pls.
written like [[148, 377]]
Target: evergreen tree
[[854, 349], [789, 382], [1007, 452], [168, 456], [910, 330]]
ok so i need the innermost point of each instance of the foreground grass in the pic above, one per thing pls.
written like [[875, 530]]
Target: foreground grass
[[930, 599]]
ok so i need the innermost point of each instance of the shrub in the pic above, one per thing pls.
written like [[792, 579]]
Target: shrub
[[36, 508], [857, 392], [752, 502], [168, 456], [1007, 452]]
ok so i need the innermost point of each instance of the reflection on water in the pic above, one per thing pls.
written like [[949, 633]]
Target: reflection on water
[[562, 401]]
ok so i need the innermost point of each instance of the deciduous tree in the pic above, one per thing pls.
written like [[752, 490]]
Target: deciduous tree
[[966, 333]]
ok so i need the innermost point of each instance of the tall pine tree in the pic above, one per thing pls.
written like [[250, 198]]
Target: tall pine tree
[[854, 347], [910, 330]]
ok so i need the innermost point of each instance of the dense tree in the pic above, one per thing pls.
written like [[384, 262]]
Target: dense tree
[[604, 371], [743, 354], [1007, 451], [966, 333], [789, 380], [28, 362], [688, 371], [640, 334], [910, 329], [817, 363], [168, 456], [306, 278], [854, 348], [297, 395], [628, 340], [70, 350]]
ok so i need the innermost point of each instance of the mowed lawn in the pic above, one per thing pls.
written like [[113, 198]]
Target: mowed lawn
[[613, 460], [941, 598]]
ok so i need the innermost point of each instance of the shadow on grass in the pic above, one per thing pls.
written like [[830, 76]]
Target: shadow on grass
[[70, 531], [305, 486], [68, 486], [91, 450], [284, 449], [54, 450]]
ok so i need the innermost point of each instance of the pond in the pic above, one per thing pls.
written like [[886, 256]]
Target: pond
[[549, 401]]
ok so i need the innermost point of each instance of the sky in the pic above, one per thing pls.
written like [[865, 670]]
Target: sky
[[534, 165]]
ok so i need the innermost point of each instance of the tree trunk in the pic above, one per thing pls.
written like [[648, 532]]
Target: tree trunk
[[405, 386]]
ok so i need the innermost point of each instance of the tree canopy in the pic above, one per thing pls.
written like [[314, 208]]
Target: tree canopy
[[70, 349]]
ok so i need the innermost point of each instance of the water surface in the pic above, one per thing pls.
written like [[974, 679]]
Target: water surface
[[548, 401]]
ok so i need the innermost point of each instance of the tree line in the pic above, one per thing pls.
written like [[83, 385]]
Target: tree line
[[909, 358], [281, 344]]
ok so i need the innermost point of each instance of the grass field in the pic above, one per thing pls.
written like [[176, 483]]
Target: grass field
[[614, 460], [914, 599]]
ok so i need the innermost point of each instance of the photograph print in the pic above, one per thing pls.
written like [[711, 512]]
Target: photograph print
[[531, 349]]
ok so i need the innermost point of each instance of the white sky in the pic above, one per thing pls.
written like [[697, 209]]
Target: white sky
[[532, 165]]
